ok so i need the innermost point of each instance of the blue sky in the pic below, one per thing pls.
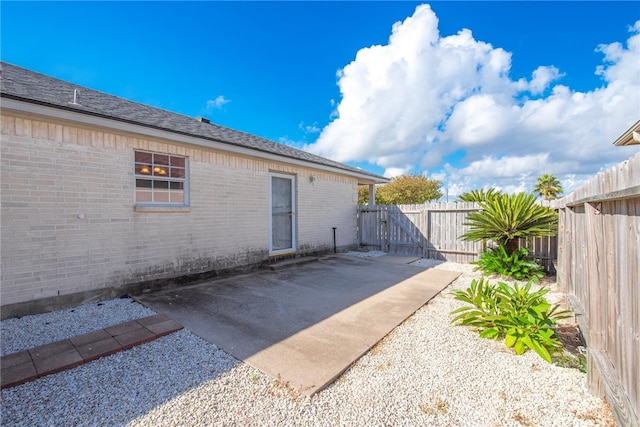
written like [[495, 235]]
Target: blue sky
[[477, 94]]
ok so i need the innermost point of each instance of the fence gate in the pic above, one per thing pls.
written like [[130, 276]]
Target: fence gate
[[403, 232], [428, 230]]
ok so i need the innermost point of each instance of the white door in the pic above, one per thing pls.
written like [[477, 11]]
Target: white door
[[282, 224]]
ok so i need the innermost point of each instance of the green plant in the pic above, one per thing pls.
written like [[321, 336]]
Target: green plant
[[573, 361], [505, 218], [480, 294], [479, 195], [516, 265], [524, 319]]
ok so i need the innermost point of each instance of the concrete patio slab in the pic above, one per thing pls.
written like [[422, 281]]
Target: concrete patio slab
[[397, 259], [307, 324]]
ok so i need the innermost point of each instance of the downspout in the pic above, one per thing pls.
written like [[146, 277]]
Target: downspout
[[335, 250]]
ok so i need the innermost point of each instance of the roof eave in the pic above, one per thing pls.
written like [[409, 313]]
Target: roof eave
[[630, 137], [11, 102]]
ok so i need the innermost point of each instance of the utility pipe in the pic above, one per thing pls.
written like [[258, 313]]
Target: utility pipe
[[335, 250]]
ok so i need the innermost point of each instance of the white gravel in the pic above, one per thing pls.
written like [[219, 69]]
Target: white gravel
[[19, 334], [427, 372]]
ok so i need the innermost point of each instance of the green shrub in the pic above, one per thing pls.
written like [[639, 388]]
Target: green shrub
[[506, 218], [516, 265], [524, 319], [479, 195]]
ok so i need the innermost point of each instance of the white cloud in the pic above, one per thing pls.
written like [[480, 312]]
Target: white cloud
[[309, 128], [217, 103], [542, 77], [407, 105], [507, 166], [479, 120], [438, 176], [393, 172]]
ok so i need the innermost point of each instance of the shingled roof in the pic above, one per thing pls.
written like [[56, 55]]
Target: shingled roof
[[28, 86]]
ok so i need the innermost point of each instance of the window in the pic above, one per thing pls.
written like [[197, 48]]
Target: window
[[160, 179]]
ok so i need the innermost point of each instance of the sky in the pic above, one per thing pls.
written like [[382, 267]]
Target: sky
[[475, 94]]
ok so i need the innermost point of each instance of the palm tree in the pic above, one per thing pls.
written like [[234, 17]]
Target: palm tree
[[505, 218], [548, 187]]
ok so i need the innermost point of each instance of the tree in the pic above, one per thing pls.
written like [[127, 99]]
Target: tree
[[507, 217], [363, 194], [548, 187], [408, 189]]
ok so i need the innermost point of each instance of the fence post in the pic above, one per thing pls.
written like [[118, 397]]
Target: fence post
[[597, 303]]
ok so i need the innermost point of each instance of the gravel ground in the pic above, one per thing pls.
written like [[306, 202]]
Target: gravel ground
[[31, 331], [426, 372]]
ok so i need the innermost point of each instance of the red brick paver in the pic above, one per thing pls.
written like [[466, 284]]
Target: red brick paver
[[27, 365]]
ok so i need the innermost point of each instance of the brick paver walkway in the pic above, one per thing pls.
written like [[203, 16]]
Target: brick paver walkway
[[27, 365]]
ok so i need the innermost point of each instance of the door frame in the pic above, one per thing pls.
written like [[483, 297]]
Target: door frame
[[292, 179]]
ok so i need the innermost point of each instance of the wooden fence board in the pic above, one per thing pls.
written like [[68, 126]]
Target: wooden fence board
[[598, 265]]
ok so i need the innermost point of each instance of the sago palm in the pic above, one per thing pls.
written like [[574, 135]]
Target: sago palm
[[507, 217], [479, 195]]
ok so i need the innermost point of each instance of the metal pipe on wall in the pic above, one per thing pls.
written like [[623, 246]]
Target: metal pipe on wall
[[335, 250]]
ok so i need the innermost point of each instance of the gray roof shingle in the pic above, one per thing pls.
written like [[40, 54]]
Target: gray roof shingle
[[26, 85]]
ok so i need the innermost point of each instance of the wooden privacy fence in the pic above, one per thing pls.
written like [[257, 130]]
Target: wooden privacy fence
[[598, 257], [432, 230]]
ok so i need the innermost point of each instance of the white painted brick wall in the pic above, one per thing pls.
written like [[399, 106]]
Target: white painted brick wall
[[52, 173], [325, 202]]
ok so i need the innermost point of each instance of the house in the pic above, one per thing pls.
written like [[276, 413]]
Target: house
[[102, 196], [630, 137]]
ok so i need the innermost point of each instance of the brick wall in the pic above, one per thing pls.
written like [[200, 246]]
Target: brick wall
[[69, 224], [326, 201]]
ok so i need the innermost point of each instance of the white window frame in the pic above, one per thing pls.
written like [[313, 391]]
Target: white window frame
[[147, 173]]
